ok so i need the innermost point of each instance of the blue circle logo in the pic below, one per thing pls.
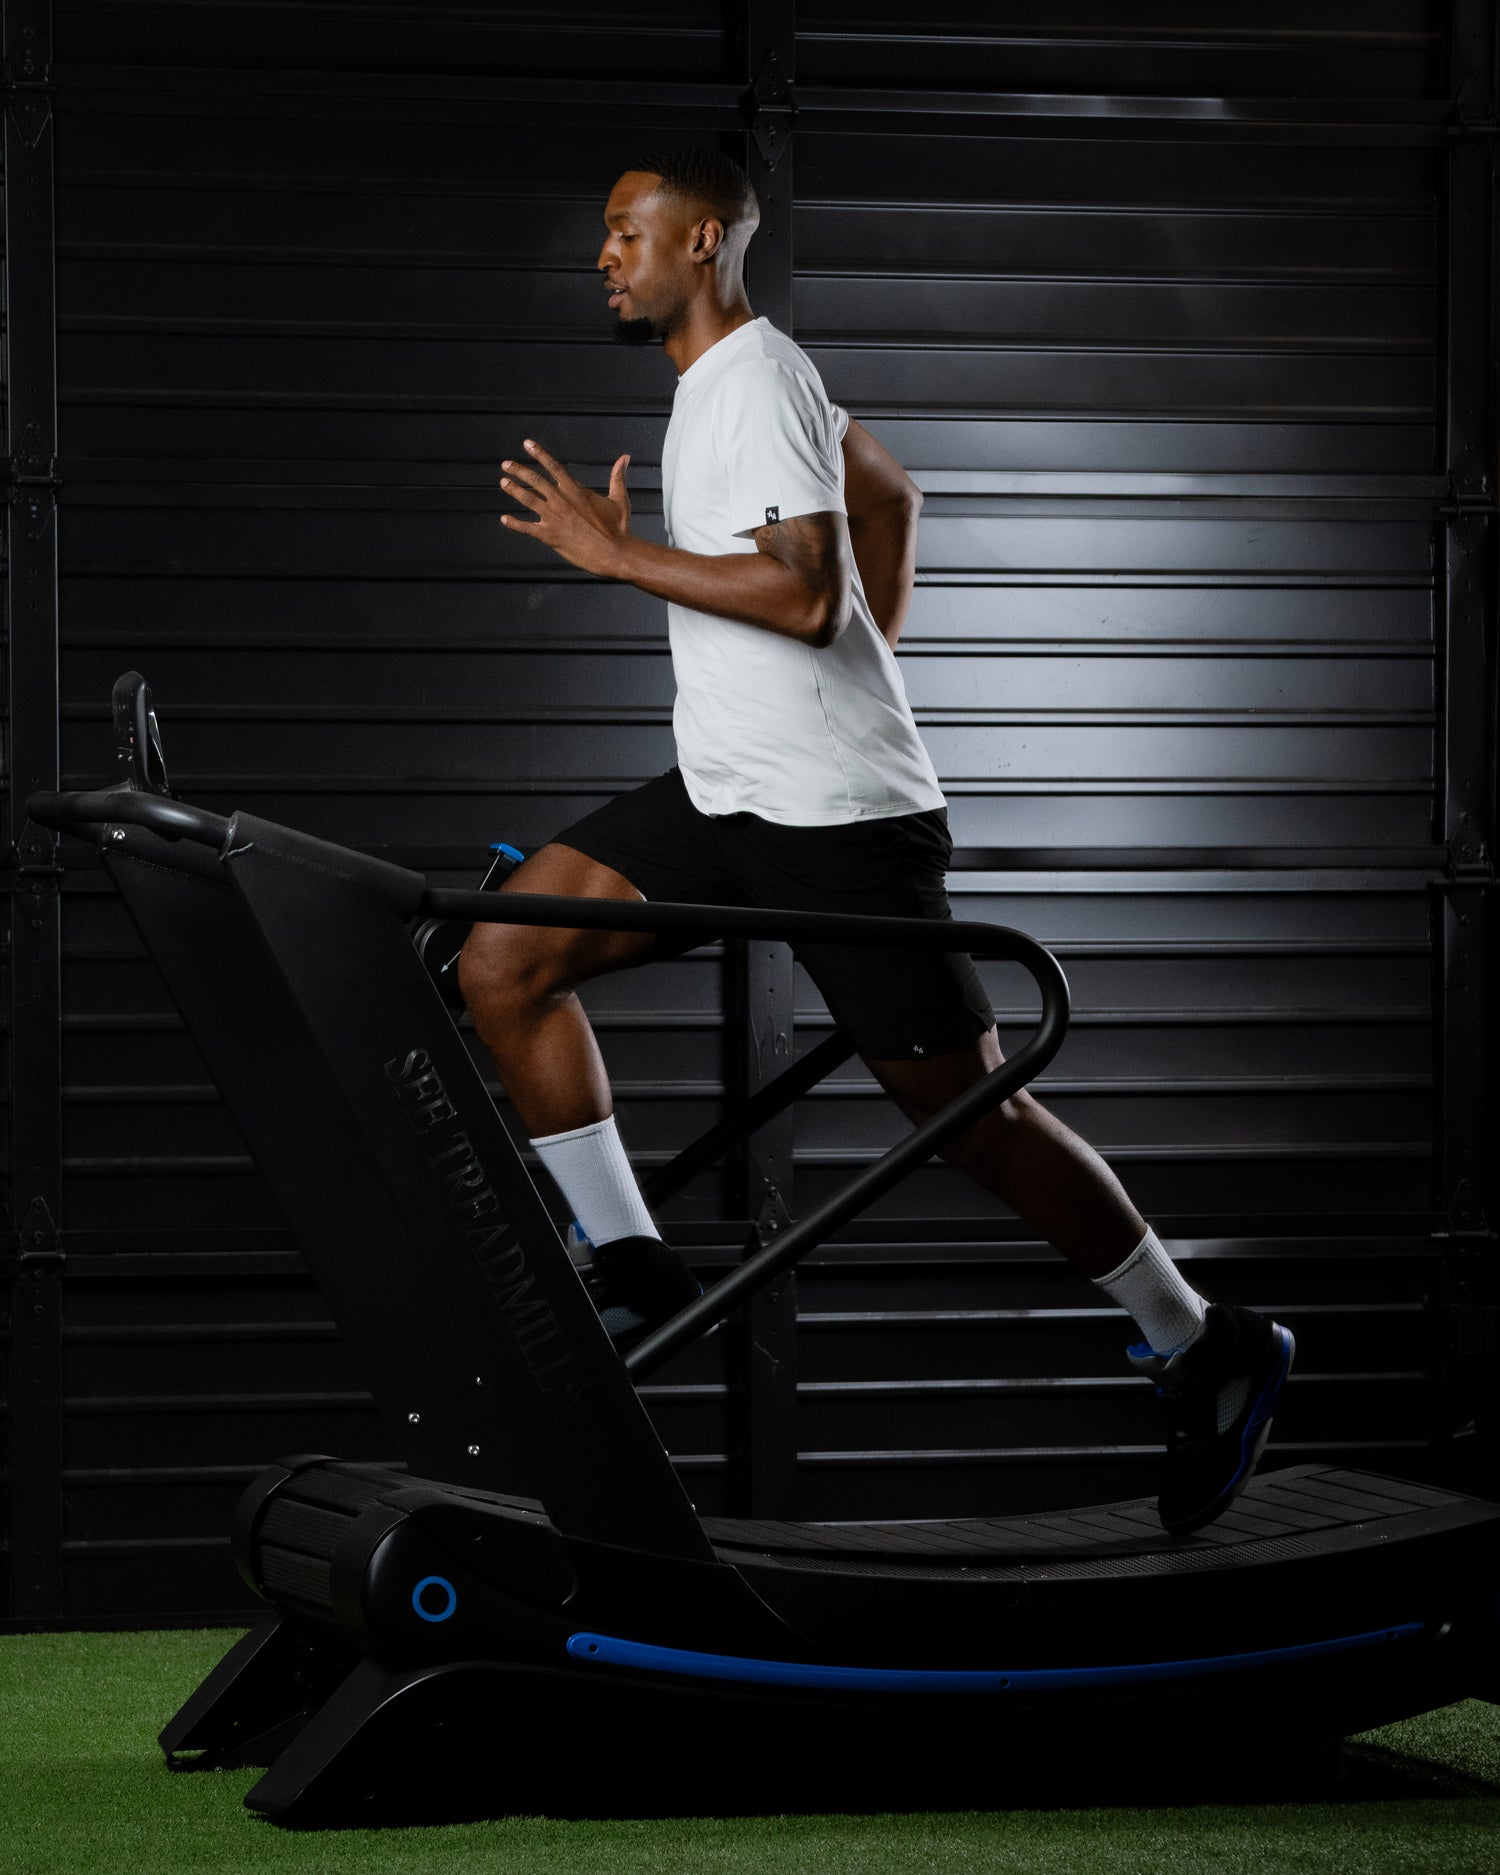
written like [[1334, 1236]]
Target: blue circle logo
[[448, 1589]]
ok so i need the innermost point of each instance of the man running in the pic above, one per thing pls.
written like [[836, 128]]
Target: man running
[[801, 783]]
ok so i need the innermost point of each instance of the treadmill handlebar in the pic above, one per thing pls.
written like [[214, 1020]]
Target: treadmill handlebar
[[877, 1179], [812, 927], [84, 812], [89, 812]]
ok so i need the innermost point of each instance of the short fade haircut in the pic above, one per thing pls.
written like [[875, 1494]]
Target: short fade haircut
[[705, 176]]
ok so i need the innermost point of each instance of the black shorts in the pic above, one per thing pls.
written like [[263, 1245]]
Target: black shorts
[[891, 1003]]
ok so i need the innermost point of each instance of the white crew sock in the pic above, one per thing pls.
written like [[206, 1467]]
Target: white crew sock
[[593, 1174], [1149, 1286]]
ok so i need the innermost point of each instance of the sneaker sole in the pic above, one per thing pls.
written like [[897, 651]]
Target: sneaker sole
[[1252, 1439], [629, 1322], [625, 1339]]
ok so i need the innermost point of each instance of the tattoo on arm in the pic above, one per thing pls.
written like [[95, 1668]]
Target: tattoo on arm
[[816, 548]]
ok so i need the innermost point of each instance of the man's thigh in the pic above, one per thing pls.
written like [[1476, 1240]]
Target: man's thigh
[[922, 1086], [654, 837], [907, 1003]]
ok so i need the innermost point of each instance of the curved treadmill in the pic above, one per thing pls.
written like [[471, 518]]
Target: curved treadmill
[[525, 1611]]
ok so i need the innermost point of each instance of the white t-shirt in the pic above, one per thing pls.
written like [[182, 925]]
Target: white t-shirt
[[766, 725]]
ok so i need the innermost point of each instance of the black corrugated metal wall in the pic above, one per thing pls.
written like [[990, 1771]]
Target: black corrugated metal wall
[[1179, 315]]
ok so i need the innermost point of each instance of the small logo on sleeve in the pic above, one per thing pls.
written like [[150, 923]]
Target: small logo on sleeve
[[773, 514]]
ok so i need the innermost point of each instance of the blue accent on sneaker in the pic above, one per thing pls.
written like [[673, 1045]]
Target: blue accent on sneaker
[[1143, 1351], [1265, 1403], [609, 1650]]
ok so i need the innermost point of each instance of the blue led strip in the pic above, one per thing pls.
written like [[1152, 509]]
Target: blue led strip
[[608, 1650]]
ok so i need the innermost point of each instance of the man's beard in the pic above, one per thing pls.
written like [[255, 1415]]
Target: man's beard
[[635, 332]]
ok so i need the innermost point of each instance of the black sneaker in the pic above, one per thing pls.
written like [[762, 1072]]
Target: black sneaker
[[1218, 1393], [636, 1284]]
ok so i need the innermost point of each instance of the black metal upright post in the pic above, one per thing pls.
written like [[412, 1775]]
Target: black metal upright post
[[1466, 561], [36, 1587], [768, 1475]]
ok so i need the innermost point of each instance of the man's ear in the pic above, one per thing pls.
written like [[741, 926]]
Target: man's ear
[[708, 238]]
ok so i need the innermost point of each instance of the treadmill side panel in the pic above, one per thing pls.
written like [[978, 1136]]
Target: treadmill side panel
[[457, 1189]]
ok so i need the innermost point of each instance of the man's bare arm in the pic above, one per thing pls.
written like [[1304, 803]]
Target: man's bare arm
[[796, 584], [884, 503]]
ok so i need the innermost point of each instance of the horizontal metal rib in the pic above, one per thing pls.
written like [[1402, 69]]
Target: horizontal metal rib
[[568, 785], [651, 643], [557, 103], [145, 1093], [236, 1165], [1004, 1457], [989, 1318], [975, 716], [1243, 1152], [102, 1256], [1067, 1383], [147, 1334], [143, 1476], [85, 1405]]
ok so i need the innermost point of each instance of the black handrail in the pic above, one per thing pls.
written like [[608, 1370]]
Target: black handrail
[[175, 820], [96, 807], [808, 927], [747, 1117], [862, 1190], [980, 940]]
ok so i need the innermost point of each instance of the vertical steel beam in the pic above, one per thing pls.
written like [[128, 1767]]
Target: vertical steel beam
[[766, 1477], [771, 104], [1465, 1153], [35, 1159], [767, 1480]]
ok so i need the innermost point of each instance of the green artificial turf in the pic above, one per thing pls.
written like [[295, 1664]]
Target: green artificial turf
[[83, 1789]]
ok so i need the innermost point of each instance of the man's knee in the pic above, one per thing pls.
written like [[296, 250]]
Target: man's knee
[[513, 967], [995, 1134]]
